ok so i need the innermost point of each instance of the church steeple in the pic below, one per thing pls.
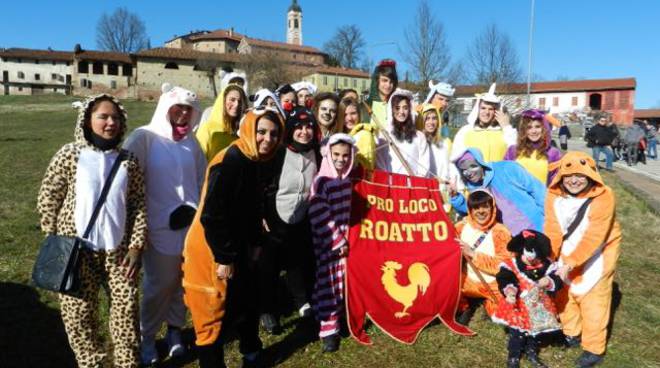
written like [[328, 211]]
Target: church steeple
[[294, 24]]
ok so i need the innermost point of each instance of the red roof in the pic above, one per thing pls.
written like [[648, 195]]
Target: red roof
[[555, 86], [104, 56], [342, 71], [224, 34], [185, 54], [36, 54], [647, 114]]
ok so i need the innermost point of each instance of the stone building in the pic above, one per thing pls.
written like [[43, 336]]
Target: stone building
[[103, 72], [194, 70], [33, 72]]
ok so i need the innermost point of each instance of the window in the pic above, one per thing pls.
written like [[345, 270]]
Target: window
[[21, 75], [354, 83], [68, 63], [83, 82], [55, 63], [53, 76], [37, 76], [345, 81], [83, 67], [574, 101], [325, 80], [60, 78], [89, 84], [364, 84], [113, 84], [54, 89], [36, 61], [295, 23], [113, 69], [127, 70], [97, 67], [542, 103], [20, 61], [20, 89], [171, 65], [294, 56], [555, 101]]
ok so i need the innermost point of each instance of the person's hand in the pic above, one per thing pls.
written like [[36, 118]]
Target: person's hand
[[544, 283], [343, 251], [264, 225], [502, 118], [132, 263], [563, 272], [225, 272], [452, 188], [465, 248], [510, 294], [511, 299]]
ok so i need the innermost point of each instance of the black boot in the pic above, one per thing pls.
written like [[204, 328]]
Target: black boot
[[465, 316], [515, 347], [211, 356], [331, 343], [532, 352], [572, 341], [588, 359]]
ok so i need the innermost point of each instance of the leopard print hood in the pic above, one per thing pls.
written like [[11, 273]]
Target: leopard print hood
[[84, 113]]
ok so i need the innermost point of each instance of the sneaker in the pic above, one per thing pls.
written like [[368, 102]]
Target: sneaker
[[588, 359], [148, 352], [572, 341], [305, 311], [175, 346], [330, 343], [270, 323]]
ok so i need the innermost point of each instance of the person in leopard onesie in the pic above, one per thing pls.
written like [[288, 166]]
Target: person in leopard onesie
[[69, 191]]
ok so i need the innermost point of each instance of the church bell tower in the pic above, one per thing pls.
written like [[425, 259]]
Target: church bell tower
[[294, 24]]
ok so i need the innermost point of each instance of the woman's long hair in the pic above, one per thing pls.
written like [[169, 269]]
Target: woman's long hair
[[403, 131], [525, 147]]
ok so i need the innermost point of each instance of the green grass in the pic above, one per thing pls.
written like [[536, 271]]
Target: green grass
[[33, 128]]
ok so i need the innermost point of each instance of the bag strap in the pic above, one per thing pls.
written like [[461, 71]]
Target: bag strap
[[578, 218], [104, 192]]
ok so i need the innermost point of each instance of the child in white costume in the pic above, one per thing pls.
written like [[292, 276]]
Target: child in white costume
[[174, 167]]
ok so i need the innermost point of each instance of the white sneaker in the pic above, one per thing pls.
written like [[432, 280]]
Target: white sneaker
[[148, 352], [175, 346], [305, 310]]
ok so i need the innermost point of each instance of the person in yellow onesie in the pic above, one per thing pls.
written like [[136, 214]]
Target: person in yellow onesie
[[224, 239], [483, 240], [581, 224], [221, 128]]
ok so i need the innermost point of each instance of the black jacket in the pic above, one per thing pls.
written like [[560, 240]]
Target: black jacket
[[601, 135]]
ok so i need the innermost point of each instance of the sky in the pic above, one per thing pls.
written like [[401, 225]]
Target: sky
[[585, 39]]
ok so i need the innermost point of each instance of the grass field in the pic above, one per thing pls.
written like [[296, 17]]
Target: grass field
[[32, 335]]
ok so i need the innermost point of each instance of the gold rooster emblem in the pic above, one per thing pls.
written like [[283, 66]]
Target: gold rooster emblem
[[419, 277]]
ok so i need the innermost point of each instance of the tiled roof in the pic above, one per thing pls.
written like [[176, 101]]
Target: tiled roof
[[36, 54], [647, 113], [342, 71], [185, 54], [555, 86], [119, 57], [223, 34]]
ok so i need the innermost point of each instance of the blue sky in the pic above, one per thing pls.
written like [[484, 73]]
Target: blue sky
[[575, 39]]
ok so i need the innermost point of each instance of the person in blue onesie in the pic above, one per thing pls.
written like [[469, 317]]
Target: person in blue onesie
[[519, 196]]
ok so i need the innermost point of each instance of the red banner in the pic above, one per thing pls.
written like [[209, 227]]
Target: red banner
[[404, 266]]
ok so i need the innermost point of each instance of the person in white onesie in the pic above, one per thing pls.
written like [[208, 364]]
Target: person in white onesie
[[174, 167]]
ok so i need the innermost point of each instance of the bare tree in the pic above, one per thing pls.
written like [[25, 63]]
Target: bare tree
[[426, 49], [492, 58], [211, 67], [266, 70], [122, 31], [346, 46]]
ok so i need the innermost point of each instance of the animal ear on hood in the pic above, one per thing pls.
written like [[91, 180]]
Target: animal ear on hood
[[166, 87]]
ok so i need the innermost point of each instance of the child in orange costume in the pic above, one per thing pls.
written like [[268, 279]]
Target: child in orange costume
[[483, 241], [223, 241], [580, 222]]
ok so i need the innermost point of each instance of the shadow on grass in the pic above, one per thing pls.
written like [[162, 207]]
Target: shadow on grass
[[616, 301], [32, 333], [305, 332]]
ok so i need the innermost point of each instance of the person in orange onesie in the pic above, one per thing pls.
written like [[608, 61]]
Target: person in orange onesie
[[483, 240], [581, 224], [224, 240]]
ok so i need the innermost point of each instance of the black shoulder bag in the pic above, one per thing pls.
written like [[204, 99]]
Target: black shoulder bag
[[58, 264], [578, 218]]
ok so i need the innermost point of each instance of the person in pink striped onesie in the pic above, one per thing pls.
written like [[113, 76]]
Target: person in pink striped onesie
[[329, 214]]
